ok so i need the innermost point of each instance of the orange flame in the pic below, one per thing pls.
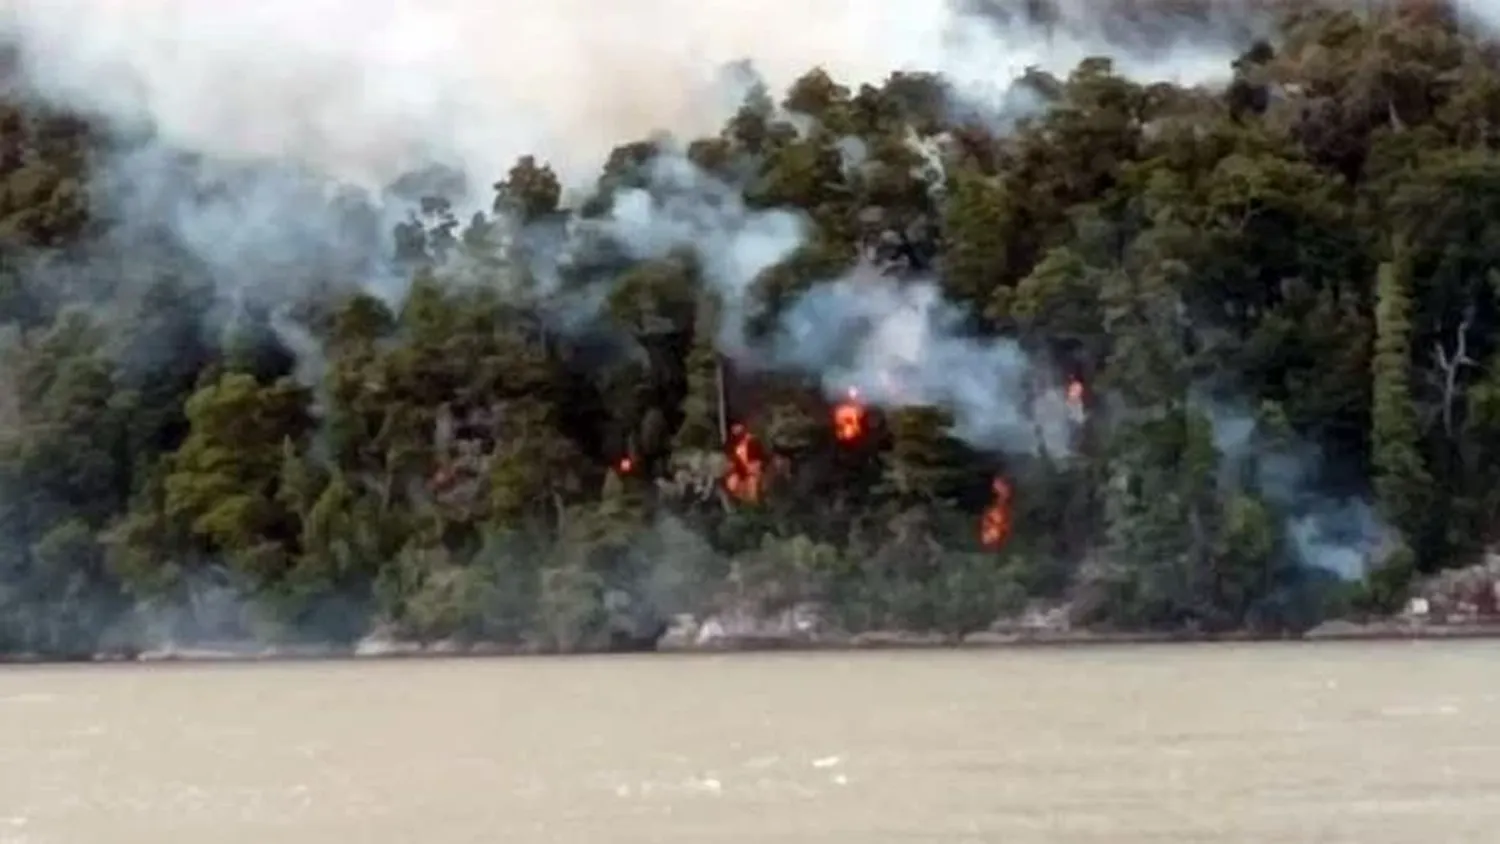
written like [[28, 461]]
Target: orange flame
[[849, 418], [744, 479], [994, 525], [626, 465]]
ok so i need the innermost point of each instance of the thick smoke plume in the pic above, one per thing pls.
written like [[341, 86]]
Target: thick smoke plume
[[283, 104], [897, 344], [364, 90], [903, 344]]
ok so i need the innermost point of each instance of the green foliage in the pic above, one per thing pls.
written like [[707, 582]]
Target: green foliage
[[1318, 241], [1401, 479]]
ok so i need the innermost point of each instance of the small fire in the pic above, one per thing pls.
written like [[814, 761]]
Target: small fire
[[994, 525], [849, 418], [626, 465], [744, 480]]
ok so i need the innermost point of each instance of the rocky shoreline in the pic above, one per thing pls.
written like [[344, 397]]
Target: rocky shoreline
[[1340, 631], [1462, 604]]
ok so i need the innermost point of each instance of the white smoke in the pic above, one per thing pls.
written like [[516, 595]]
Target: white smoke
[[686, 208], [1342, 535], [902, 344], [899, 344], [1484, 12], [364, 90]]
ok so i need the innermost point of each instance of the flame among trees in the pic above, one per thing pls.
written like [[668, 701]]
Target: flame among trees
[[849, 418], [745, 479], [1381, 333], [995, 523]]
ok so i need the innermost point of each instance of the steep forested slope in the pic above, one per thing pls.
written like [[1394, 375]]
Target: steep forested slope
[[1179, 357]]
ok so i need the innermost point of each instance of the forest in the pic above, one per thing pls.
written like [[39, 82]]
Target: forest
[[1169, 358]]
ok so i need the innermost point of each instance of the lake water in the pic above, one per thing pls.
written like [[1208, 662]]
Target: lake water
[[1358, 743]]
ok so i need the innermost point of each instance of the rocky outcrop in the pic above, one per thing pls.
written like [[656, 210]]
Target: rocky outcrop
[[1460, 596], [1037, 618], [743, 626]]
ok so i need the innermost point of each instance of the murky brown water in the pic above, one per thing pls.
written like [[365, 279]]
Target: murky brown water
[[1329, 743]]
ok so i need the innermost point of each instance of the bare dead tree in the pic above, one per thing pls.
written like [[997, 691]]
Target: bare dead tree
[[1450, 363]]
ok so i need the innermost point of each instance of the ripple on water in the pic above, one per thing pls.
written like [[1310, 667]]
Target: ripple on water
[[29, 697]]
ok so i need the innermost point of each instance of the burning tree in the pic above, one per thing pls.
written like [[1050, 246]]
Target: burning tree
[[850, 418], [745, 479], [995, 523]]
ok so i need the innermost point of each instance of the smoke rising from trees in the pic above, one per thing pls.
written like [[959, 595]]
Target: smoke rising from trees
[[275, 336]]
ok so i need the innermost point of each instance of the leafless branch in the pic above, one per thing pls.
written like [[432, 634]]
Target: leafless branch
[[1450, 363]]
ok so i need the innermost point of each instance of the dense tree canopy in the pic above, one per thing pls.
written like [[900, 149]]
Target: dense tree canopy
[[1262, 309]]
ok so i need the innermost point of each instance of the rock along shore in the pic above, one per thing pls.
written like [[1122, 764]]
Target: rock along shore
[[1337, 631]]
